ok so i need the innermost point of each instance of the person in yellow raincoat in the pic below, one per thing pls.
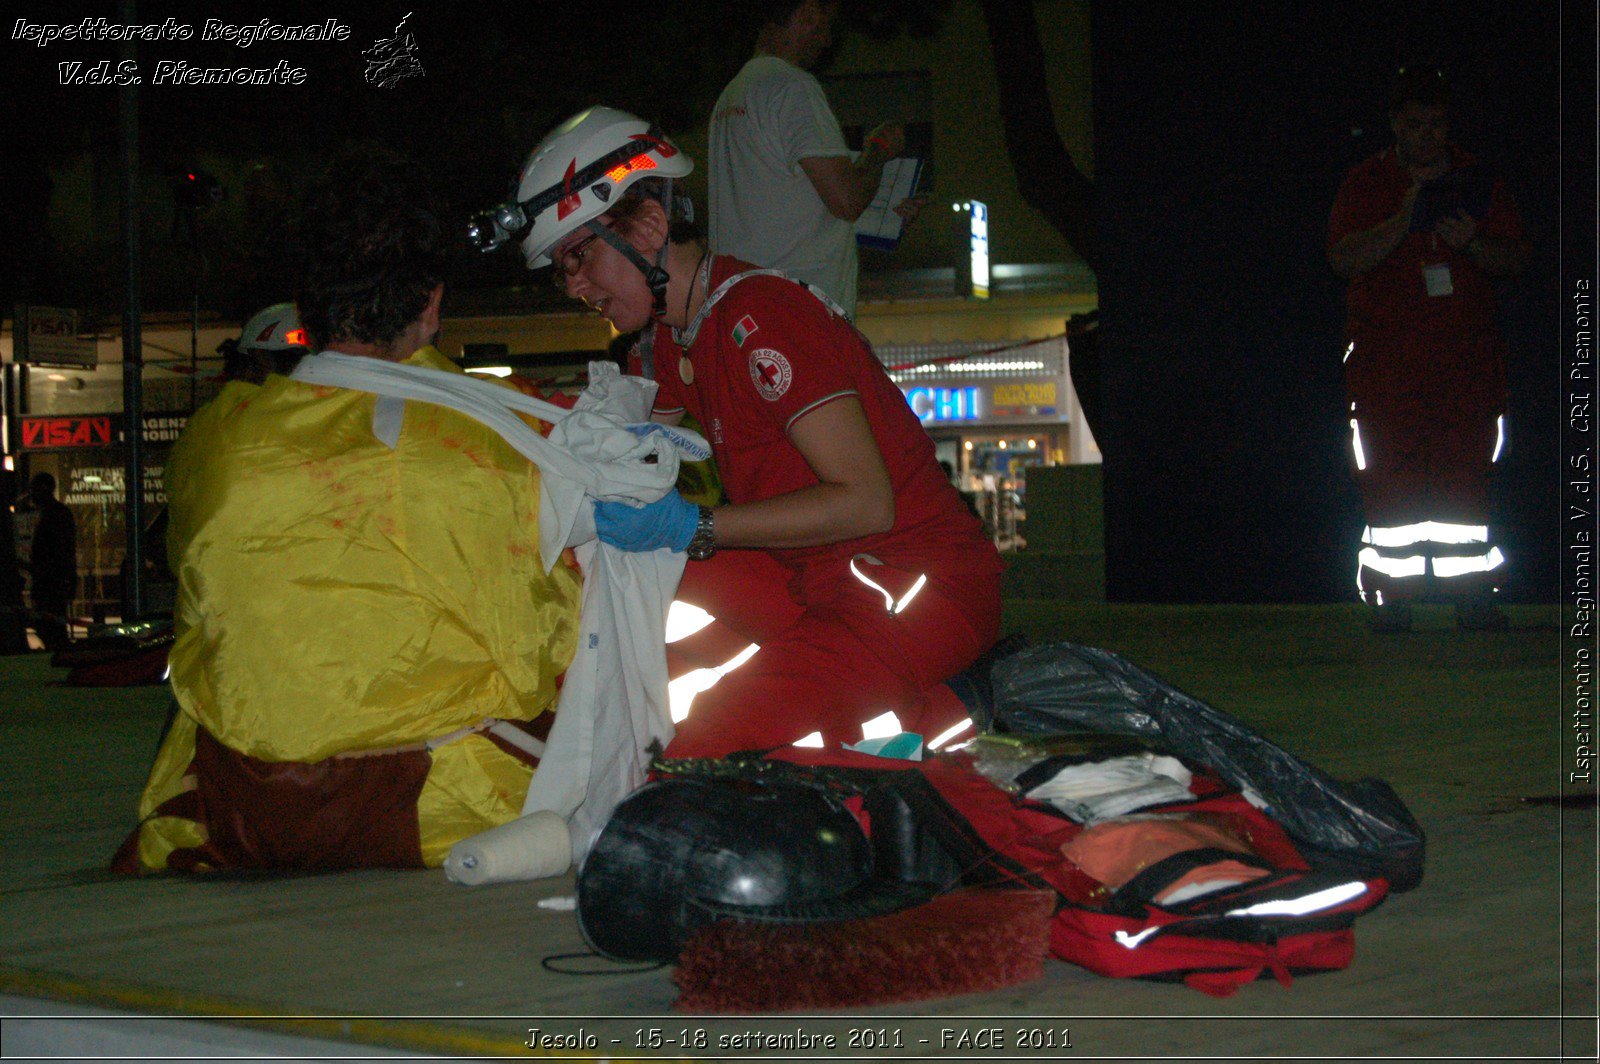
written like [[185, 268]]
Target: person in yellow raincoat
[[368, 647]]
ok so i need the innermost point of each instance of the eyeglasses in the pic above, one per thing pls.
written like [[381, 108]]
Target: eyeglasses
[[570, 261]]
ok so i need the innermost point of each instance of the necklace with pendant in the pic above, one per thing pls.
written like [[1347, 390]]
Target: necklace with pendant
[[702, 277]]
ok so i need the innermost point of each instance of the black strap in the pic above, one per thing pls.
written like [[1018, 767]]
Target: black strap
[[653, 137], [1141, 890], [655, 274], [979, 864]]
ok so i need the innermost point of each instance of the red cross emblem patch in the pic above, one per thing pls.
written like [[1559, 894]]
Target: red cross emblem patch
[[770, 372]]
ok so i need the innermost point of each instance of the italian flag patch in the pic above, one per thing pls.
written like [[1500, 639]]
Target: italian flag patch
[[743, 328]]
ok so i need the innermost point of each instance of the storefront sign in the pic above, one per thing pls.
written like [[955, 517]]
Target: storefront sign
[[102, 486], [1009, 401], [60, 433], [100, 430], [1030, 399], [978, 215], [164, 428], [944, 404], [52, 339]]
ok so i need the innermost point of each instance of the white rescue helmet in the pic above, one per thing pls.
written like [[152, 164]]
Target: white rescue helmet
[[276, 328], [582, 166]]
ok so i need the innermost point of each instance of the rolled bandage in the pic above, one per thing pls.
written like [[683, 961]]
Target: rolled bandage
[[530, 847]]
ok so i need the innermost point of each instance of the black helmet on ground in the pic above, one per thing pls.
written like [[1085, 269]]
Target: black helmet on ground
[[684, 852]]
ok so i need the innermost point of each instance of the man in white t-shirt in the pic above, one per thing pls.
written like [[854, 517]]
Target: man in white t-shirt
[[785, 191]]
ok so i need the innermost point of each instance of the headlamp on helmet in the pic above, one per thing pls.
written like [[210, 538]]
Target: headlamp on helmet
[[490, 229], [574, 176]]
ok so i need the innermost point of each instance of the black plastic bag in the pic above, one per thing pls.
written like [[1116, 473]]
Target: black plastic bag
[[1063, 687]]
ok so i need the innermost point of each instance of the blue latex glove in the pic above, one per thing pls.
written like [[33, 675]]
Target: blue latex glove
[[668, 522]]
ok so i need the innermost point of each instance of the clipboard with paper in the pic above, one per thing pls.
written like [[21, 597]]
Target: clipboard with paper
[[879, 227]]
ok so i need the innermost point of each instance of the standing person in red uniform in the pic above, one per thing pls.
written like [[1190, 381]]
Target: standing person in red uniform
[[1420, 231], [843, 551]]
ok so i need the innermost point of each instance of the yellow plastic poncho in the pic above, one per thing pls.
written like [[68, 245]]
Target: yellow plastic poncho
[[337, 596]]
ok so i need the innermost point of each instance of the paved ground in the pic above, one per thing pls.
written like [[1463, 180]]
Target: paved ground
[[1481, 962]]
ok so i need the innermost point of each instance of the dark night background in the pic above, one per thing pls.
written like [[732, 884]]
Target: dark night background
[[1221, 134]]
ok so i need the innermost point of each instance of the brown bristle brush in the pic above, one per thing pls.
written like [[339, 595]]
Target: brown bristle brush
[[964, 942]]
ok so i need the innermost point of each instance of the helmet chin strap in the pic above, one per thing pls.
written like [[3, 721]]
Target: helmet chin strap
[[655, 274]]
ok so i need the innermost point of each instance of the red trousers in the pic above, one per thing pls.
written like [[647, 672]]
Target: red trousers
[[1426, 402], [1426, 410], [832, 654]]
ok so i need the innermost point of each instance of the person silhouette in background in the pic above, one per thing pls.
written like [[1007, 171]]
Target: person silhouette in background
[[52, 563], [1420, 231], [784, 190]]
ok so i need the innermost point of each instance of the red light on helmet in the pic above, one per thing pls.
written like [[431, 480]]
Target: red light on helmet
[[633, 165], [571, 200], [296, 338]]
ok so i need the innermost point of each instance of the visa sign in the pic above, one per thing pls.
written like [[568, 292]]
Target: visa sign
[[943, 404], [43, 433]]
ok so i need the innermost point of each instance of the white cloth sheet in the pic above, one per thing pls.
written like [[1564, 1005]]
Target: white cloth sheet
[[1096, 791], [613, 705]]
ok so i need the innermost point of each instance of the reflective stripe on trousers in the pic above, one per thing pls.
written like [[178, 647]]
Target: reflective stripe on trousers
[[1442, 550]]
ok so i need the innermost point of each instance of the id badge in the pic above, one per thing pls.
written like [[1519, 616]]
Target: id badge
[[1436, 278]]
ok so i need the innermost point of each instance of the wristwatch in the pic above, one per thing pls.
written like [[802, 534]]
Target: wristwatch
[[704, 542]]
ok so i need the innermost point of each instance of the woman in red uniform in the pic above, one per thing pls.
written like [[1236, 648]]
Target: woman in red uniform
[[843, 551]]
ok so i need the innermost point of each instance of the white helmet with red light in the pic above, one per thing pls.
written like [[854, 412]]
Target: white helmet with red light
[[575, 174], [276, 328], [582, 166], [272, 341]]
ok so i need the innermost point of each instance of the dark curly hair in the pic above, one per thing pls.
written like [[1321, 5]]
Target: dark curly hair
[[373, 248]]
